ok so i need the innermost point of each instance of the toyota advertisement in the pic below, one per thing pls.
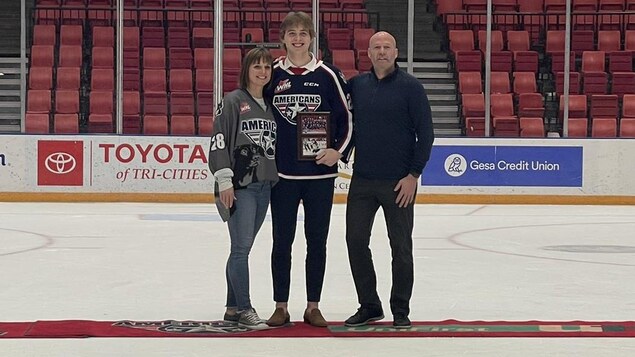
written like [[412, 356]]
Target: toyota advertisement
[[159, 166], [105, 164], [169, 164]]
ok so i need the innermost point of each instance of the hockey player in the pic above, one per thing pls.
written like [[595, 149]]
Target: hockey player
[[301, 82]]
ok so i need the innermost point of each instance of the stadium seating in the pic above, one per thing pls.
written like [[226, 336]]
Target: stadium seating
[[532, 127], [604, 128], [577, 107], [601, 61], [577, 127], [627, 128], [531, 105], [470, 83]]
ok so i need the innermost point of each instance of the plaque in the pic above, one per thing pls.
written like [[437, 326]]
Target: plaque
[[313, 133]]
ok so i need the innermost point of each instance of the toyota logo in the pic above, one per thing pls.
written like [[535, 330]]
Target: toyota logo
[[60, 163]]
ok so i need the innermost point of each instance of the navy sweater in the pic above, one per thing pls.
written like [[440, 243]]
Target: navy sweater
[[320, 87], [393, 131]]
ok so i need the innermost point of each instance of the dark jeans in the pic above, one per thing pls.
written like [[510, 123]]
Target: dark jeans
[[317, 199], [364, 199]]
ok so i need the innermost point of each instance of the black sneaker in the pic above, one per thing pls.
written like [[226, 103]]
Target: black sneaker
[[231, 318], [363, 316], [401, 321]]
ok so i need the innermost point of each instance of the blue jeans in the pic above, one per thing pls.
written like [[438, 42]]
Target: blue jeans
[[251, 208]]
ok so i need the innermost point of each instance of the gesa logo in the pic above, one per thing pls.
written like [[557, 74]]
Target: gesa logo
[[455, 165]]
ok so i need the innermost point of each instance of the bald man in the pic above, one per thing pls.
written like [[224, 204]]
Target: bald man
[[393, 138]]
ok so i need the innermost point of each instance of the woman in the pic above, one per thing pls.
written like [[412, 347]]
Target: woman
[[301, 83], [242, 159]]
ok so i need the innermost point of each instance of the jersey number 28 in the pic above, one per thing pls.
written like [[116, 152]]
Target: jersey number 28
[[218, 142]]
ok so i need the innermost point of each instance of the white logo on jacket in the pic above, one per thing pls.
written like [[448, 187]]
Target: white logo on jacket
[[244, 107], [291, 104], [283, 86]]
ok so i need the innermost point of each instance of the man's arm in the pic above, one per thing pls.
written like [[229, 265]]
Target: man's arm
[[421, 116]]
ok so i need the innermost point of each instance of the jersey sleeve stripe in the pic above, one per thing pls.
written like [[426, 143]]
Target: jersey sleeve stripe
[[342, 97]]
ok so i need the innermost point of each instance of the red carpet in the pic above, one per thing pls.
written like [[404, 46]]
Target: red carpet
[[447, 328]]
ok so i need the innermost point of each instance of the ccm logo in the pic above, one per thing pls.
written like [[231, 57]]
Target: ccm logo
[[311, 84], [60, 163]]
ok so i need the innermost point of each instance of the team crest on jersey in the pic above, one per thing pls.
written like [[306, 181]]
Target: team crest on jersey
[[262, 133], [290, 105], [244, 107], [282, 86]]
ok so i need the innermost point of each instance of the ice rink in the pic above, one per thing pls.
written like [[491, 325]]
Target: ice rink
[[136, 261]]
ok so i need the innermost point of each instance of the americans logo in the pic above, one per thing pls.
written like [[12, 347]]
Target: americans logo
[[262, 133], [290, 105]]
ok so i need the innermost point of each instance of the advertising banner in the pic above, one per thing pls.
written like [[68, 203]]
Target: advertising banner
[[133, 164], [13, 157], [105, 164], [544, 166], [117, 166]]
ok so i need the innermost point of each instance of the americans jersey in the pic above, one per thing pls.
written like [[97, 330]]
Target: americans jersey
[[243, 143], [320, 87]]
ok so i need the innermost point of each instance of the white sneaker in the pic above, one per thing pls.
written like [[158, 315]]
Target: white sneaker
[[250, 319]]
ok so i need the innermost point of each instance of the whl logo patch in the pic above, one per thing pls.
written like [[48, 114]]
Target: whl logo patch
[[282, 86], [60, 163]]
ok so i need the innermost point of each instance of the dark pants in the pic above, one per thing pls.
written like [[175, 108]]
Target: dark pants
[[317, 199], [364, 199]]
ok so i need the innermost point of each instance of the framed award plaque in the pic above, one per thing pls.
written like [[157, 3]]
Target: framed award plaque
[[313, 133]]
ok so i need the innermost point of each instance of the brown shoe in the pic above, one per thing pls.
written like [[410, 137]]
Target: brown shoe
[[315, 318], [279, 318]]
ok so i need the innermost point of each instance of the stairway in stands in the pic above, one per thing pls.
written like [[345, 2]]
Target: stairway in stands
[[440, 85], [10, 66], [431, 63]]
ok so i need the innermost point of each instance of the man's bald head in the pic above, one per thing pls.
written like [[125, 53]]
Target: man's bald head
[[382, 51], [382, 35]]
